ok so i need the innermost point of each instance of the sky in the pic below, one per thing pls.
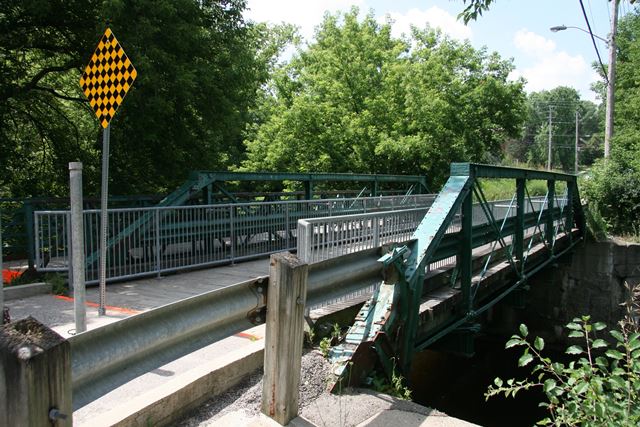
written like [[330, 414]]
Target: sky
[[517, 29]]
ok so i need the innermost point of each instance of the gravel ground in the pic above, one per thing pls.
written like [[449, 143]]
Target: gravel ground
[[247, 395]]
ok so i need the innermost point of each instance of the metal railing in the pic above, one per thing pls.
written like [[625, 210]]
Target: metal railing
[[329, 237], [147, 241]]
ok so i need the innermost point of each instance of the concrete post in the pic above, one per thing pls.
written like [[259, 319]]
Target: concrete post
[[284, 333], [35, 376], [77, 246]]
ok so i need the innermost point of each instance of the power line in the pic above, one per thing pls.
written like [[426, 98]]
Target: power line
[[593, 39]]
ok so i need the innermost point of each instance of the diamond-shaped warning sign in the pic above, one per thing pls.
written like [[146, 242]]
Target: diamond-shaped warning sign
[[107, 78]]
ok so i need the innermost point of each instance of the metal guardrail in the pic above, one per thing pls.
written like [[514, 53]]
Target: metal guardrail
[[148, 241], [104, 358]]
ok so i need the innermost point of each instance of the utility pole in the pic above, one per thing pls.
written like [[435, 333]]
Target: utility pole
[[576, 148], [549, 153], [611, 78]]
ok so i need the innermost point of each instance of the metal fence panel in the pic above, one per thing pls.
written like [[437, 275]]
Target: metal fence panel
[[147, 241]]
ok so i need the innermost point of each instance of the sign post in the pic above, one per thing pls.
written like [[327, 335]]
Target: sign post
[[105, 82]]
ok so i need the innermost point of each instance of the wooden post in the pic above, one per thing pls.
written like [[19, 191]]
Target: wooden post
[[286, 300], [35, 376]]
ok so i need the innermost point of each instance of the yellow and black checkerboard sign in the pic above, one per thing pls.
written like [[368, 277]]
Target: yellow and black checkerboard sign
[[107, 78]]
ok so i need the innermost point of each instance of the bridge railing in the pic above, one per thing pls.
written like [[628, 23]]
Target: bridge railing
[[157, 240], [329, 237]]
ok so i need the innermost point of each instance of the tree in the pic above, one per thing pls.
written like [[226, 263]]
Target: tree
[[200, 67], [360, 100], [562, 103], [613, 188], [41, 125]]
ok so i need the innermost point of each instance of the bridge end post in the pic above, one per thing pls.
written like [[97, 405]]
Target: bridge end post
[[286, 299], [35, 376]]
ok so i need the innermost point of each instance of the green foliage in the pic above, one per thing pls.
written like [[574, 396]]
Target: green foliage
[[360, 100], [600, 387], [562, 102], [325, 346], [504, 189], [613, 191], [613, 187], [474, 9], [59, 285], [200, 67], [395, 387]]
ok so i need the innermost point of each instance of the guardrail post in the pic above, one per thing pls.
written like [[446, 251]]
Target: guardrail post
[[286, 300], [77, 246], [35, 376], [549, 228], [519, 231]]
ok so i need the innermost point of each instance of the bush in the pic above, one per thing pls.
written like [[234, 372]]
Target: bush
[[601, 387], [612, 189]]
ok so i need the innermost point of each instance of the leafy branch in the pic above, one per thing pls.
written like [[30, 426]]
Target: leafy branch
[[601, 387]]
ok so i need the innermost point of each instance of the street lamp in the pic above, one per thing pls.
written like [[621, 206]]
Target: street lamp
[[564, 27], [611, 72]]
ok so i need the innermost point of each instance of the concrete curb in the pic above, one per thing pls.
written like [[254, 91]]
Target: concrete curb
[[164, 405], [26, 291]]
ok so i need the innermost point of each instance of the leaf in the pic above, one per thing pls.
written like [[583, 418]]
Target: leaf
[[599, 343], [600, 410], [498, 382], [513, 342], [617, 335], [574, 326], [549, 385], [581, 387], [574, 349], [614, 354], [617, 382], [538, 343], [575, 334], [598, 326], [524, 331], [525, 359]]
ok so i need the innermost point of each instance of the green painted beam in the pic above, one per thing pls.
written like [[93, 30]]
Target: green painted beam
[[489, 171], [314, 177]]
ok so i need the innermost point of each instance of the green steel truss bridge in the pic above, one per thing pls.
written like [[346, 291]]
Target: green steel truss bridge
[[466, 255]]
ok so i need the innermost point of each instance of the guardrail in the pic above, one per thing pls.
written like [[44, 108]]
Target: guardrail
[[148, 241], [104, 358]]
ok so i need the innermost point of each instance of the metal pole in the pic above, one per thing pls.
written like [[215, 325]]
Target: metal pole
[[549, 153], [576, 147], [77, 245], [1, 279], [611, 77], [103, 220]]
